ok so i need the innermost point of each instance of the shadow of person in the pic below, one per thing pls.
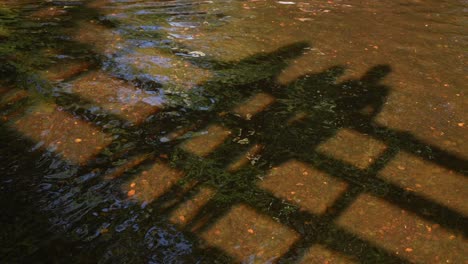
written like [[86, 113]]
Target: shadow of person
[[313, 108], [366, 95], [308, 112]]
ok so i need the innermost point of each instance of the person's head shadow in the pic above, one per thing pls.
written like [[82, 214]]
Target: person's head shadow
[[319, 104], [321, 95], [367, 95]]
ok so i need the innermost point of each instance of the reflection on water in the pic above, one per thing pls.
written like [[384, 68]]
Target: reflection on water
[[232, 131]]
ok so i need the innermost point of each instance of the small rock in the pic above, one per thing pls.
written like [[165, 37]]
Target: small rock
[[197, 54]]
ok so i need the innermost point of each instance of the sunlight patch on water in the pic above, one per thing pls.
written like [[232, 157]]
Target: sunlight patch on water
[[350, 146], [75, 140], [319, 254], [117, 96], [431, 181], [186, 211], [152, 183], [250, 236], [301, 184], [207, 140], [163, 68], [402, 233], [250, 156], [254, 105]]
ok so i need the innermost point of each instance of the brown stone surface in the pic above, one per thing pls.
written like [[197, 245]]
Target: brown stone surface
[[250, 236], [309, 188], [429, 180], [403, 233]]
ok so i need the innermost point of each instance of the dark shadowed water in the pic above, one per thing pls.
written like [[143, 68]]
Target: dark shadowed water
[[233, 131]]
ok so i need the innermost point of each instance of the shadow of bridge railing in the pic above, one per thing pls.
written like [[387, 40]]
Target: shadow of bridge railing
[[316, 178], [306, 141]]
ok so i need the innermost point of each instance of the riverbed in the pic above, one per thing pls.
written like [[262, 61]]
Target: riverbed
[[229, 131]]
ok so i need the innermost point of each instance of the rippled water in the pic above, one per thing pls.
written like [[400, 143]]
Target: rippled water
[[233, 131]]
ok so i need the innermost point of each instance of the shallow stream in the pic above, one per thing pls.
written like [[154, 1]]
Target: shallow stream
[[233, 131]]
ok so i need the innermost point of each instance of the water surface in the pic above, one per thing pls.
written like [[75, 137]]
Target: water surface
[[233, 131]]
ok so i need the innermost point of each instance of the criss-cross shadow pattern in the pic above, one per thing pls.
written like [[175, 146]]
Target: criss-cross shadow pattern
[[244, 168]]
